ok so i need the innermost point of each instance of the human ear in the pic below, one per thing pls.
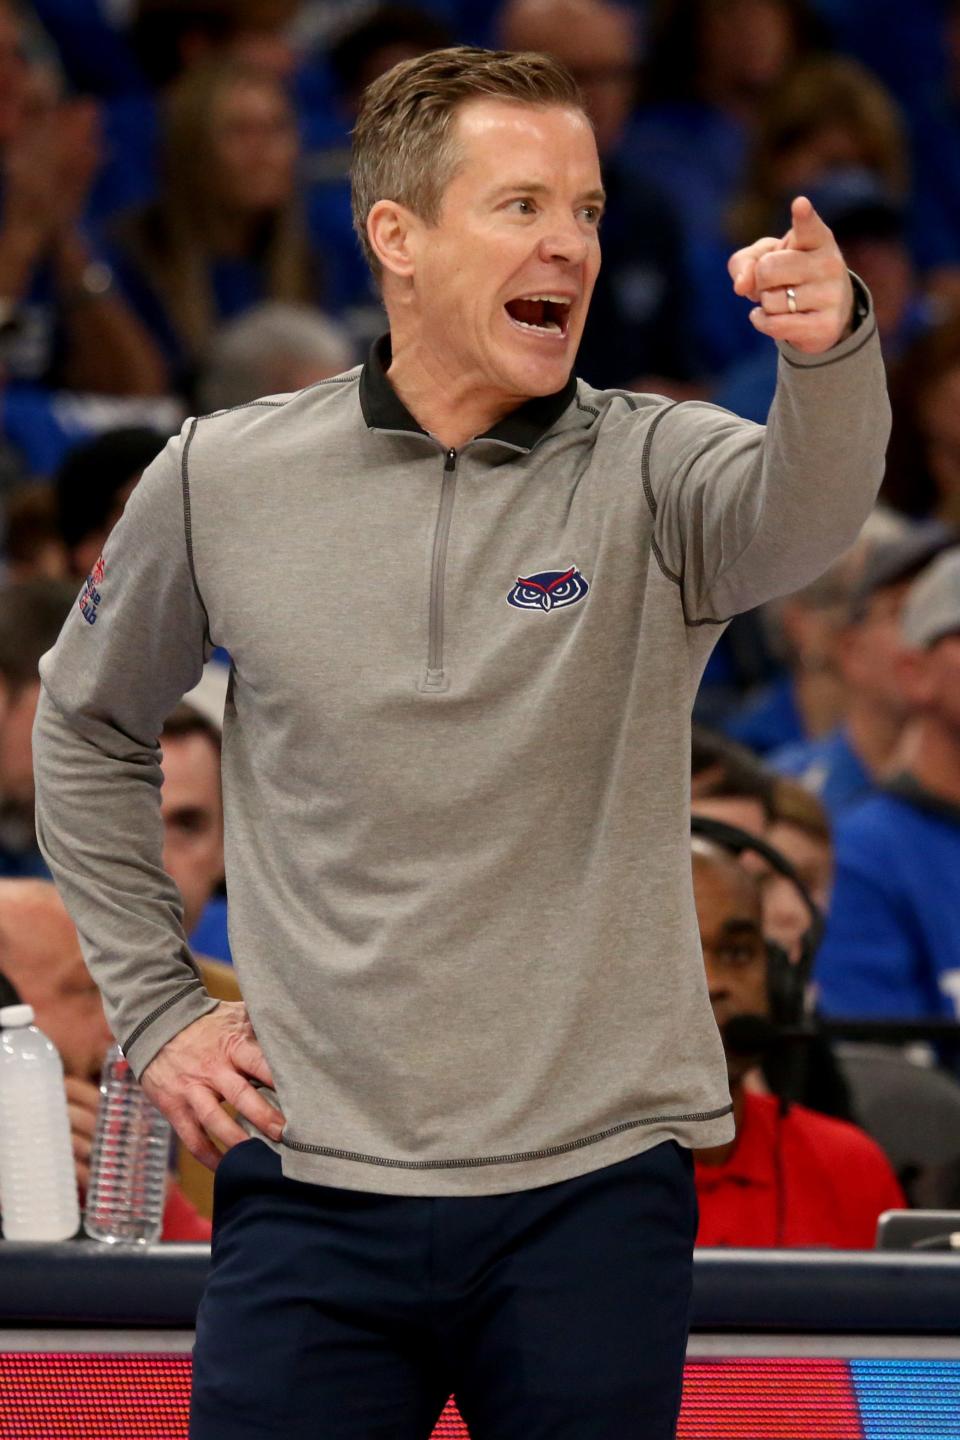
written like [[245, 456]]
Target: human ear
[[389, 227]]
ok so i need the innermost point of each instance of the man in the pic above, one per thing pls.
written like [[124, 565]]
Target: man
[[191, 806], [791, 1176], [467, 600], [40, 956], [845, 765], [892, 946]]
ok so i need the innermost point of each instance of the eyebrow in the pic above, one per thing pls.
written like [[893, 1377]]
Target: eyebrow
[[741, 927], [537, 187]]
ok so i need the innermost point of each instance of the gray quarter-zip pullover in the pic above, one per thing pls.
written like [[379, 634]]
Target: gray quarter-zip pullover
[[456, 752]]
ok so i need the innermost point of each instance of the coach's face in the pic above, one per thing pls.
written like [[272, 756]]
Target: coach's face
[[501, 284]]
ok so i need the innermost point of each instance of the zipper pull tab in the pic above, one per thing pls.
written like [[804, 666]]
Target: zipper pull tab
[[451, 460]]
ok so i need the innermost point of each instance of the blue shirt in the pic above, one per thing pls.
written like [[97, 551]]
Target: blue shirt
[[829, 767], [770, 721], [892, 943]]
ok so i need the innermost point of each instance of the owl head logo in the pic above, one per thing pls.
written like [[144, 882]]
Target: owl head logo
[[548, 590]]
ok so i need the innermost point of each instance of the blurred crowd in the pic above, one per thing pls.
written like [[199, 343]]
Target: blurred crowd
[[175, 237]]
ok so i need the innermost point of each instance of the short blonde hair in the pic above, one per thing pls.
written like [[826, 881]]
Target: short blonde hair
[[403, 142]]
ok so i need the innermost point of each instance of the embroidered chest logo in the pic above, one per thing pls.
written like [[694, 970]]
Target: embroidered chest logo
[[548, 590], [90, 596]]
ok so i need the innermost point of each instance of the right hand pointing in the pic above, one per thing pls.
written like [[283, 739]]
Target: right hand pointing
[[210, 1061]]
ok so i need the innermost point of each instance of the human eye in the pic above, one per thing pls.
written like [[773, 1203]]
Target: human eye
[[739, 955], [522, 205], [592, 214]]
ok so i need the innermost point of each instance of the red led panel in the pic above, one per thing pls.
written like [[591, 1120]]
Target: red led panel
[[769, 1400], [86, 1396], [94, 1397]]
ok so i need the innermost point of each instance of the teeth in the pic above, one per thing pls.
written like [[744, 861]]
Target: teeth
[[551, 327], [552, 299]]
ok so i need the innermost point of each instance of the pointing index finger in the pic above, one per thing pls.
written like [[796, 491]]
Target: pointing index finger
[[808, 231]]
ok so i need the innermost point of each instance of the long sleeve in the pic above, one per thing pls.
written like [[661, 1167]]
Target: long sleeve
[[132, 646], [744, 512]]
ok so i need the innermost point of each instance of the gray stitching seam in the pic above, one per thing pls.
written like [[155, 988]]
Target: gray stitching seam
[[835, 360], [160, 1010], [520, 1156], [188, 522], [589, 409]]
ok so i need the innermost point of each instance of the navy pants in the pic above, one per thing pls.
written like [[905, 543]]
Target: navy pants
[[559, 1313]]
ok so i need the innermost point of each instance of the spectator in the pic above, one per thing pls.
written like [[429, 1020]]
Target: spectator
[[31, 615], [225, 232], [93, 485], [366, 47], [33, 543], [807, 699], [638, 332], [830, 115], [167, 38], [923, 467], [845, 764], [710, 66], [791, 1176], [62, 321], [40, 955], [892, 947], [191, 806], [271, 350]]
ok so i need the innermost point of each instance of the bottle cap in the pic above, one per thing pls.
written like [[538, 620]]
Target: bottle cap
[[12, 1016]]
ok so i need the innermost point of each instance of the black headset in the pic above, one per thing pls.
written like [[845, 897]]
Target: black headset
[[786, 979]]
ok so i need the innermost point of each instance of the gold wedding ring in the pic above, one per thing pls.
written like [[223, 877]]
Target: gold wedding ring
[[791, 300]]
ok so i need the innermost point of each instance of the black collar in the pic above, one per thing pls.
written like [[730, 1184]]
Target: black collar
[[522, 428], [906, 787]]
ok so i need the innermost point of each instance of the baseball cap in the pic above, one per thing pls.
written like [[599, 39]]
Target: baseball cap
[[856, 204], [889, 562], [932, 608]]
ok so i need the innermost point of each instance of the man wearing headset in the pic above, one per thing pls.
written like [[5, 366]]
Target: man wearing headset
[[791, 1176]]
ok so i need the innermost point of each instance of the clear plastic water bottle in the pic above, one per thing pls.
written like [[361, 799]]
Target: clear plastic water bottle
[[128, 1165], [38, 1181]]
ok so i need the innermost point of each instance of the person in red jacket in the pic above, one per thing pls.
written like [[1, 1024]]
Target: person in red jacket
[[791, 1176]]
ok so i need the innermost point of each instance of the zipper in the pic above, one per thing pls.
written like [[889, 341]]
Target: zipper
[[435, 679]]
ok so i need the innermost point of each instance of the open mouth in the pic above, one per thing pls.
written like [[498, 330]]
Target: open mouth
[[542, 314]]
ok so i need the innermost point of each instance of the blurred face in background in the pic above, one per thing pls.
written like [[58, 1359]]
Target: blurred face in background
[[732, 939], [785, 917], [932, 681], [14, 76], [253, 147], [596, 42], [869, 647], [831, 147], [192, 810], [746, 44]]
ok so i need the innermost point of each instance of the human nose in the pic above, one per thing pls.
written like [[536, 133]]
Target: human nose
[[564, 241]]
